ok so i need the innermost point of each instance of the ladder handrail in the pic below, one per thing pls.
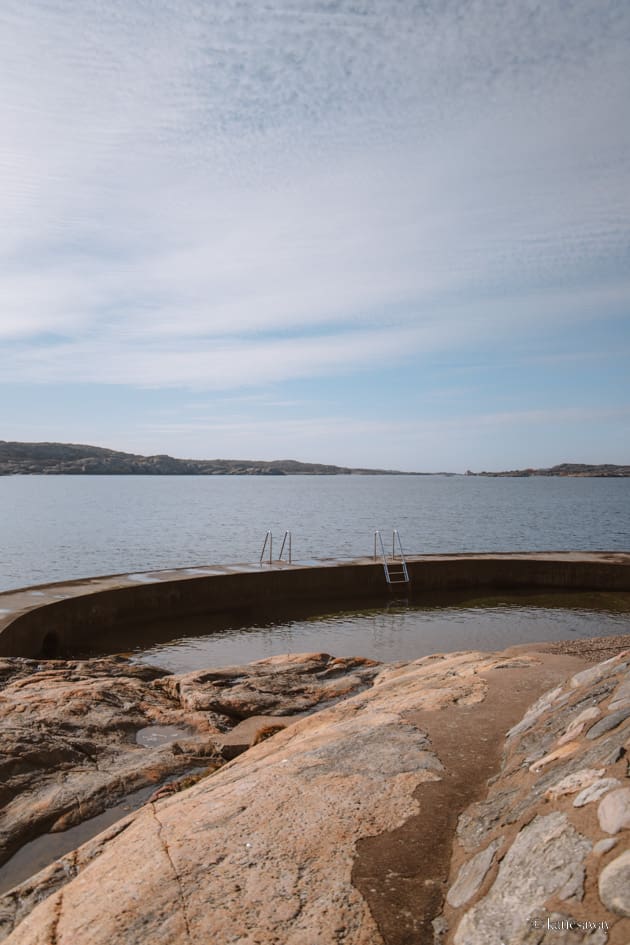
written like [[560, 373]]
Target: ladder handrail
[[287, 534], [378, 539], [268, 538], [396, 538]]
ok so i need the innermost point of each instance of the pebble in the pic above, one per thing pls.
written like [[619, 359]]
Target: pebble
[[623, 691], [574, 782], [440, 928], [545, 858], [608, 722], [614, 811], [562, 752], [604, 846], [534, 712], [616, 752], [595, 673], [482, 817], [472, 874], [575, 727], [619, 704], [568, 752], [614, 885], [596, 790]]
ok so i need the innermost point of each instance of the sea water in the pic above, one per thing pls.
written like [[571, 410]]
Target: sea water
[[57, 528]]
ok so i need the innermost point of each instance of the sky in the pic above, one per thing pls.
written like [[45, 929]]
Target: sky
[[383, 233]]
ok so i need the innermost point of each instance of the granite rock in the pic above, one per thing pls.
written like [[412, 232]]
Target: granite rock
[[541, 706], [261, 851], [265, 849], [622, 693], [596, 790], [69, 746], [577, 725], [545, 857], [568, 748], [614, 885], [604, 846], [574, 782], [614, 811], [589, 676], [478, 821], [472, 874], [608, 723], [533, 789], [284, 685]]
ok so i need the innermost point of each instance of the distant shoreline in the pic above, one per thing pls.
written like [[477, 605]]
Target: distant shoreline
[[71, 459], [572, 470]]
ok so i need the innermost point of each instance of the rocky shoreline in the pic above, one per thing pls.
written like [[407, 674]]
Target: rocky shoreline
[[73, 459], [77, 733], [322, 800], [573, 470]]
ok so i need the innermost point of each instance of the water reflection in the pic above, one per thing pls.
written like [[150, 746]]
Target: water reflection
[[391, 630]]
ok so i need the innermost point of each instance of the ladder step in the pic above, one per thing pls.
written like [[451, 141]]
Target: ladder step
[[395, 567]]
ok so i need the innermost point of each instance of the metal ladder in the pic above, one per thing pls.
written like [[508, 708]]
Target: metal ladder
[[286, 543], [396, 568]]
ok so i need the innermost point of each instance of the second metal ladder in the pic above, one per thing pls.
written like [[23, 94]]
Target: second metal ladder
[[286, 542], [396, 567]]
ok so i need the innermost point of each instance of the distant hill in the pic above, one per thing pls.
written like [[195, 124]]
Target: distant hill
[[72, 459], [606, 470], [77, 459]]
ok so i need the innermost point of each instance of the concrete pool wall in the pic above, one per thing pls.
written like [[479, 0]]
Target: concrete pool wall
[[79, 614]]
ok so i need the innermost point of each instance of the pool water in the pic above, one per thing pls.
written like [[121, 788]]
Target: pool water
[[394, 630]]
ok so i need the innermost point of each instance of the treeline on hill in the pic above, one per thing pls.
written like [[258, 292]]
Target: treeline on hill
[[77, 459]]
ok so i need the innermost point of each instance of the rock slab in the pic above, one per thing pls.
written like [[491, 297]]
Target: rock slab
[[565, 876], [262, 851]]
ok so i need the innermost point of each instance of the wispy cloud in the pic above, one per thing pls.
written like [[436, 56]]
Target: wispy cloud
[[179, 177], [218, 365], [230, 196]]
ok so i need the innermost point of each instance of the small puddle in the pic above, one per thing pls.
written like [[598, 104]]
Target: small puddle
[[44, 850], [41, 852], [155, 735]]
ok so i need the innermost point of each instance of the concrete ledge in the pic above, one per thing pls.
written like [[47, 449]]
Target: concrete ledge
[[81, 613]]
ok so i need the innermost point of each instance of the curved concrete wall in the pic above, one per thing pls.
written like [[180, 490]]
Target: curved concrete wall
[[79, 615]]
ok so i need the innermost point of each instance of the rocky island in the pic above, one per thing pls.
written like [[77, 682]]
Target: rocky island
[[579, 470], [460, 799], [72, 459]]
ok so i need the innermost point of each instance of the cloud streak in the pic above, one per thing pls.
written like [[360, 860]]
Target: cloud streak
[[229, 195]]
